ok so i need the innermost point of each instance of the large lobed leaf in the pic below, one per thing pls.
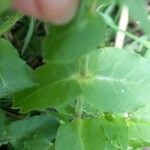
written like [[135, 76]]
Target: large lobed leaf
[[115, 81], [121, 81]]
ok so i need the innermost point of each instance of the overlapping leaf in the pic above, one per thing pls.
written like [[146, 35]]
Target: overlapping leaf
[[19, 133], [81, 36], [15, 75], [57, 84], [33, 125], [108, 80], [93, 134], [115, 81]]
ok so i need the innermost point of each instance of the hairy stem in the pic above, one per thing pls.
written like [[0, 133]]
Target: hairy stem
[[83, 74], [79, 106]]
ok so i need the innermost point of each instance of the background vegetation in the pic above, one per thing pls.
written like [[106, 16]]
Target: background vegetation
[[81, 86]]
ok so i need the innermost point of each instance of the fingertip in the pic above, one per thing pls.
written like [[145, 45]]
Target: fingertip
[[25, 6], [55, 11]]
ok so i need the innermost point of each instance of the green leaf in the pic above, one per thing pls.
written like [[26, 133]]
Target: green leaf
[[4, 4], [18, 133], [34, 142], [16, 76], [4, 138], [121, 82], [25, 133], [141, 114], [107, 85], [139, 134], [43, 125], [139, 128], [8, 20], [81, 36], [57, 84], [92, 133]]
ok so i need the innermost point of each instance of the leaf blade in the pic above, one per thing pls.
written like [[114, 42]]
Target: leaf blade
[[12, 78], [91, 133]]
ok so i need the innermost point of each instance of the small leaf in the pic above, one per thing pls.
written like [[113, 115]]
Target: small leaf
[[16, 76], [92, 133], [7, 20], [139, 136]]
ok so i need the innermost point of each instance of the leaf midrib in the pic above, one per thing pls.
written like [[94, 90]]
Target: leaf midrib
[[123, 81], [79, 131], [50, 84]]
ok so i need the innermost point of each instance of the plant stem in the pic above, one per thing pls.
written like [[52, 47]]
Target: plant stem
[[123, 24], [28, 35], [84, 66], [110, 8], [79, 106], [111, 23], [83, 74]]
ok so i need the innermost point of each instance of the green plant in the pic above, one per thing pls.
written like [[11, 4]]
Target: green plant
[[84, 94]]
